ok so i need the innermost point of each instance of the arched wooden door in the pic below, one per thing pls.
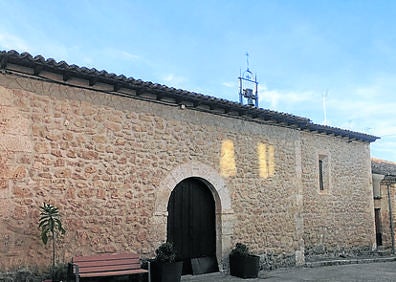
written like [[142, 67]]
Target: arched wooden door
[[191, 221]]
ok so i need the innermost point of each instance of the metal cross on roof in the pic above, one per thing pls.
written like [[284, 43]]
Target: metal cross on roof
[[248, 86]]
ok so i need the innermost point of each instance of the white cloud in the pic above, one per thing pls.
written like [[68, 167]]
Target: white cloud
[[110, 54], [285, 100], [48, 50], [12, 42], [368, 108], [129, 56], [368, 104], [384, 148], [229, 84], [173, 80]]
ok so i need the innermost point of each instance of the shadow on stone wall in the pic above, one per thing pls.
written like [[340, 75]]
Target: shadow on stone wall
[[320, 252], [271, 261]]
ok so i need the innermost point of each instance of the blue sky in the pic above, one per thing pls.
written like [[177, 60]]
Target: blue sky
[[300, 50]]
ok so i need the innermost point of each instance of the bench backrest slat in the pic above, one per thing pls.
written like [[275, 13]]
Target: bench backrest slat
[[108, 262], [105, 257], [108, 268], [104, 265]]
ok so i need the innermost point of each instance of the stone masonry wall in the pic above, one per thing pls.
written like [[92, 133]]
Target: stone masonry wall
[[383, 205], [101, 158], [339, 219]]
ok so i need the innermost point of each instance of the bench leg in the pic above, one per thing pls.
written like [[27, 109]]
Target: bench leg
[[149, 271]]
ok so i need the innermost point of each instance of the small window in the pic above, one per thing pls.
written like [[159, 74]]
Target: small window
[[321, 186], [323, 171]]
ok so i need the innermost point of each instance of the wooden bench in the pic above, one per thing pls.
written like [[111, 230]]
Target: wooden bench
[[105, 265]]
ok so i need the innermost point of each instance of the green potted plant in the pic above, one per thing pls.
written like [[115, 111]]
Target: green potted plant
[[50, 225], [242, 263], [164, 267]]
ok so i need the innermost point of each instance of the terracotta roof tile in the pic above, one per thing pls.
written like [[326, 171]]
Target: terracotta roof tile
[[383, 167], [39, 63]]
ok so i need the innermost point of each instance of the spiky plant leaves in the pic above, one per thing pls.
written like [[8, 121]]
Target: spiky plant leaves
[[50, 224]]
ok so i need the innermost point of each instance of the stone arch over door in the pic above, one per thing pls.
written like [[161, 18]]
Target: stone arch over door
[[221, 196]]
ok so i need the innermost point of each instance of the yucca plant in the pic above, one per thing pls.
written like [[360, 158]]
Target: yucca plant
[[50, 225]]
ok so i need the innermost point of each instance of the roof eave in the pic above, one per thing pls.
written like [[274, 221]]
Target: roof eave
[[38, 64]]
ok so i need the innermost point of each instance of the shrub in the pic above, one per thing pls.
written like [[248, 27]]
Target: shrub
[[165, 253], [240, 250]]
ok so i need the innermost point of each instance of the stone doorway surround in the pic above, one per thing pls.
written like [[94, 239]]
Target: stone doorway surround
[[221, 195]]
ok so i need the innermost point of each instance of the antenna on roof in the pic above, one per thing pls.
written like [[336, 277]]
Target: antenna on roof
[[245, 92], [324, 96]]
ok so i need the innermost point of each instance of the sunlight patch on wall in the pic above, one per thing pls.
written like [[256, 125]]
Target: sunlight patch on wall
[[227, 159], [266, 158]]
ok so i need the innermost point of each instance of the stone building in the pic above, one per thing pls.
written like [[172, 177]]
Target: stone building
[[131, 164], [384, 185]]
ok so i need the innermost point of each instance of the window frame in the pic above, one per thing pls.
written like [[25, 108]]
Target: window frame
[[323, 169]]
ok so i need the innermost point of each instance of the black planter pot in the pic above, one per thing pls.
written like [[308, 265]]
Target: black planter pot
[[166, 272], [244, 266]]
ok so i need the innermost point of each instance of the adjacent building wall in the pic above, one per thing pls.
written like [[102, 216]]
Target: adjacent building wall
[[109, 163], [384, 173]]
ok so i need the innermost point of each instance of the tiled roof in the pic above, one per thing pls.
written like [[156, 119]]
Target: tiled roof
[[383, 167], [39, 64]]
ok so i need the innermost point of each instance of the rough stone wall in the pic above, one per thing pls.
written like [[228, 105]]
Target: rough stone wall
[[101, 158], [341, 217], [383, 204], [265, 205]]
